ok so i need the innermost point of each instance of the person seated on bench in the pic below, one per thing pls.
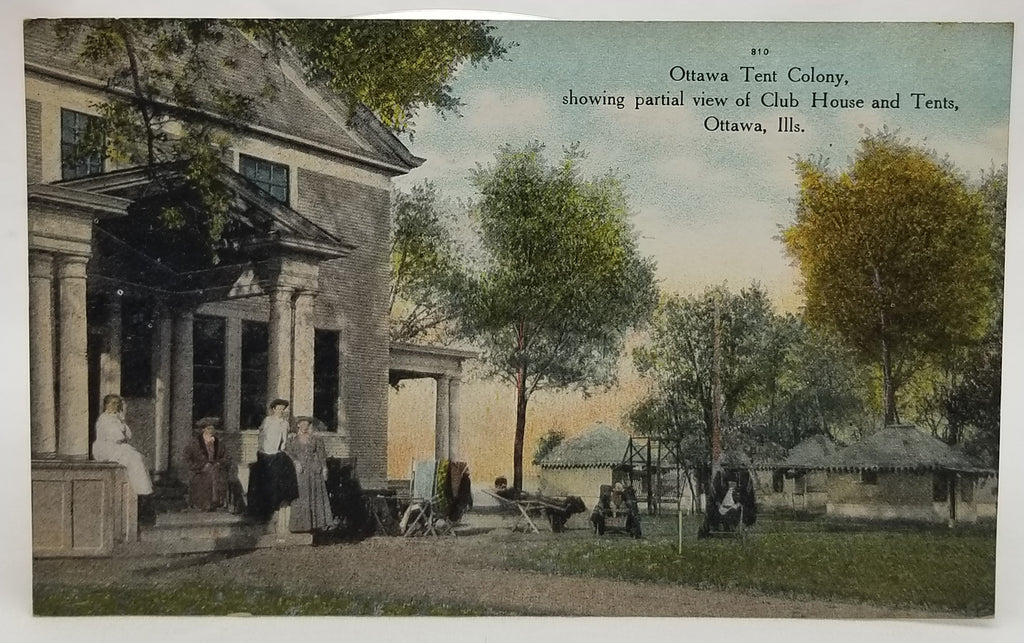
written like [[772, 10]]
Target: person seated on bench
[[210, 465], [501, 489]]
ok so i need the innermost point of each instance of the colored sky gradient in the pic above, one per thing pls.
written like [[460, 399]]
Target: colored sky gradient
[[707, 205]]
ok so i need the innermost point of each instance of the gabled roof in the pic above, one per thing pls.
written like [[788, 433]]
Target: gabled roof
[[262, 213], [900, 448], [812, 453], [598, 446], [299, 110]]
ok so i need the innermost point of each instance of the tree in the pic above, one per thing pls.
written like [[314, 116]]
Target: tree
[[894, 255], [546, 443], [165, 108], [781, 382], [425, 271], [961, 397], [679, 362], [560, 280]]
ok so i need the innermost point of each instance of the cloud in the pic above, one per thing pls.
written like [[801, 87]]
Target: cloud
[[501, 114]]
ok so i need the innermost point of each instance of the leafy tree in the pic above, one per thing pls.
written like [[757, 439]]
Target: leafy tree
[[546, 443], [894, 254], [560, 280], [165, 106], [960, 397], [425, 271], [679, 361], [781, 381]]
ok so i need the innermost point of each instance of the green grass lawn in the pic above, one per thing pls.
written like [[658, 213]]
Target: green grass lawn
[[891, 564], [209, 600]]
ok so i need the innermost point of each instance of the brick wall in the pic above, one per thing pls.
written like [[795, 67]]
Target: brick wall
[[353, 300], [34, 127]]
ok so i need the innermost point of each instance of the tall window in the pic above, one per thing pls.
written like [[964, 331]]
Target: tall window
[[137, 324], [208, 367], [325, 377], [76, 160], [255, 346], [272, 177]]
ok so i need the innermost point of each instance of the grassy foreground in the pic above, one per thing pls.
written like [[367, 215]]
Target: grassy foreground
[[931, 568], [209, 600]]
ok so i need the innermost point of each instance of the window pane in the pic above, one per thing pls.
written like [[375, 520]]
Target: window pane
[[137, 324], [74, 162], [271, 177], [208, 367], [326, 377], [255, 343]]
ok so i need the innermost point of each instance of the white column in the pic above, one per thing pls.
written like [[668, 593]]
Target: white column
[[41, 372], [232, 373], [441, 419], [279, 354], [163, 349], [73, 409], [181, 390], [110, 358], [454, 447], [302, 364]]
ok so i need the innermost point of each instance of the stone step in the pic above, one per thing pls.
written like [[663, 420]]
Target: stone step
[[150, 548], [178, 526]]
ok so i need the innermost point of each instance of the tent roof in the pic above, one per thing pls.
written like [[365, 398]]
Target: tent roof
[[811, 453], [600, 445], [901, 448]]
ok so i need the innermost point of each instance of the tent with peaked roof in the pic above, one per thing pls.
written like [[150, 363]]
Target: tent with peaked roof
[[900, 472], [798, 479], [580, 464]]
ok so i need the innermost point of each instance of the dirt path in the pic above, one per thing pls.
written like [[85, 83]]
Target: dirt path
[[462, 571]]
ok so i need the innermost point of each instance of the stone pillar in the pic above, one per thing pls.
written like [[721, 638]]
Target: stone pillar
[[41, 371], [454, 417], [232, 373], [441, 419], [302, 364], [181, 390], [279, 354], [163, 349], [110, 358], [73, 391]]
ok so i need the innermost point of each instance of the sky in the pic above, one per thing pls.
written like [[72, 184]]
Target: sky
[[707, 205]]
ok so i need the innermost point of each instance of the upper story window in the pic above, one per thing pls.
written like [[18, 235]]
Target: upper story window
[[272, 177], [75, 160]]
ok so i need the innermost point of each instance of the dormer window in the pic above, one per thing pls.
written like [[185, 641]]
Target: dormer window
[[272, 177], [76, 160]]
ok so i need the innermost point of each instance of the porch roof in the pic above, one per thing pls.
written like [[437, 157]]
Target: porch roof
[[135, 248], [412, 361]]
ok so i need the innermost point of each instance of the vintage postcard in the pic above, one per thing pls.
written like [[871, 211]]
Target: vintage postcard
[[474, 317]]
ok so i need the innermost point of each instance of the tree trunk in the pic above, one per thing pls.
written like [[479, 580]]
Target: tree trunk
[[517, 449], [888, 387]]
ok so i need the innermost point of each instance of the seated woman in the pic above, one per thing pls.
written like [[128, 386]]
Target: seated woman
[[111, 443], [210, 465]]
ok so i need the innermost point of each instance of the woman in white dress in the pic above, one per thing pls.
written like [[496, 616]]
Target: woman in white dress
[[111, 443]]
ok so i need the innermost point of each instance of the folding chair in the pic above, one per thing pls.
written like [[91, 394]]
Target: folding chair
[[422, 517], [522, 510]]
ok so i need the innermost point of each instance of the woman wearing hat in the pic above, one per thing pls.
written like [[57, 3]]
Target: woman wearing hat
[[272, 481], [311, 511], [209, 463]]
